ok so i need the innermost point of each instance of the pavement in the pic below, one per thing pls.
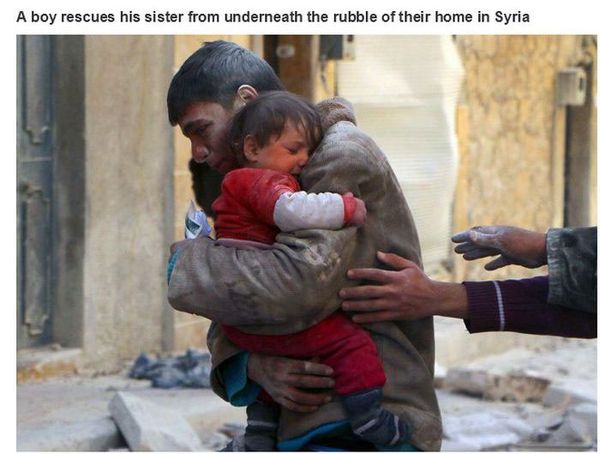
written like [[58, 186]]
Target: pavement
[[71, 413]]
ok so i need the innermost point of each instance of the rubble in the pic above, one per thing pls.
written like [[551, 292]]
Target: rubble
[[523, 400], [191, 369], [149, 427], [571, 392], [580, 425], [483, 430], [72, 414], [514, 387]]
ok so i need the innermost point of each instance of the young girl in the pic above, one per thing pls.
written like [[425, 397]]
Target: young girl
[[273, 137]]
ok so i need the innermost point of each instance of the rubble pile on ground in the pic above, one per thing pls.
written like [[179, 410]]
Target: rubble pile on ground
[[190, 370], [522, 401]]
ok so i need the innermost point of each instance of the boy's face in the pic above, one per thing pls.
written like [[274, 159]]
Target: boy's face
[[287, 153], [205, 125]]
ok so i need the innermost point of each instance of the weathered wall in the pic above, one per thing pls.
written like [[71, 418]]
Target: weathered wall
[[512, 136], [189, 330], [128, 197]]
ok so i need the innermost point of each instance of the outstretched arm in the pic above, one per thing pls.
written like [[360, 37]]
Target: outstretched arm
[[403, 293], [406, 293]]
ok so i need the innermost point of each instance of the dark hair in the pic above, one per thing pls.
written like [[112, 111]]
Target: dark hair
[[214, 73], [265, 117]]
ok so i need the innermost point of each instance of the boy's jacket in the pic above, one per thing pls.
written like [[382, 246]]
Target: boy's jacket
[[295, 284]]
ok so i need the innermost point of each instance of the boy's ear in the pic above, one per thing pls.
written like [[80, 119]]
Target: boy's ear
[[244, 94], [250, 148]]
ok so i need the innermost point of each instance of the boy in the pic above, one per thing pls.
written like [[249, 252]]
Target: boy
[[272, 138], [295, 284]]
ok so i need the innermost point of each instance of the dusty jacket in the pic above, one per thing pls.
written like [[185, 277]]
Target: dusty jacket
[[572, 265], [295, 284]]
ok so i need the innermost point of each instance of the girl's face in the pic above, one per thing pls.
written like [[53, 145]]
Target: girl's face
[[287, 153]]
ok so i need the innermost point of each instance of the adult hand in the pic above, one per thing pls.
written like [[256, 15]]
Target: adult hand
[[406, 293], [514, 245], [284, 379]]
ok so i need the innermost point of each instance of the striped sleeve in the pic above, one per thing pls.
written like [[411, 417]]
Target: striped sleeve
[[521, 306], [485, 307]]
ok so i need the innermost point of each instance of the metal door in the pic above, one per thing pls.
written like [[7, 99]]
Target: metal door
[[35, 164]]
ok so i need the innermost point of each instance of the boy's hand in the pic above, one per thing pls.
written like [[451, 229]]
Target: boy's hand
[[296, 385]]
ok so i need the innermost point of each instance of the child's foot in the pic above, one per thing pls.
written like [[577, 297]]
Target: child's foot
[[371, 422], [261, 431]]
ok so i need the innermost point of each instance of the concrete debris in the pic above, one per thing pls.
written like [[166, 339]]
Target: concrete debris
[[439, 375], [514, 387], [544, 421], [483, 430], [459, 446], [232, 429], [149, 427], [189, 370], [217, 441], [468, 381], [569, 393], [580, 426]]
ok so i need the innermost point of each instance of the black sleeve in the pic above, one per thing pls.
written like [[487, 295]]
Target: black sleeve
[[572, 268]]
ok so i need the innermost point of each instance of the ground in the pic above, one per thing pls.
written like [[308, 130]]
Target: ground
[[72, 413]]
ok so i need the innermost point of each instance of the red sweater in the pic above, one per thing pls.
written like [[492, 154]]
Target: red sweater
[[247, 202], [247, 206]]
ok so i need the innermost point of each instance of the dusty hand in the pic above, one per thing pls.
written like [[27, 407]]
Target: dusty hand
[[286, 381], [514, 245], [403, 294]]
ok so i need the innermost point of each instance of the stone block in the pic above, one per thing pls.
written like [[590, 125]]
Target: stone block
[[483, 430], [571, 392], [580, 425], [514, 387], [469, 381], [149, 427], [48, 362]]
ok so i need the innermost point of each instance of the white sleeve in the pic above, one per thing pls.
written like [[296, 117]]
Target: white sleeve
[[300, 210]]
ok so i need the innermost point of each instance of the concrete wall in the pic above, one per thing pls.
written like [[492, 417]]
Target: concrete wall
[[512, 136], [128, 202]]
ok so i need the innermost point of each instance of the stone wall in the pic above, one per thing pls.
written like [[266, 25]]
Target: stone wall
[[512, 136]]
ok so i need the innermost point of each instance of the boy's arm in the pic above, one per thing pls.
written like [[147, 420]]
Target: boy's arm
[[277, 291]]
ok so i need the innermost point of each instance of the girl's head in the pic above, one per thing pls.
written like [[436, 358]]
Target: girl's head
[[278, 130]]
